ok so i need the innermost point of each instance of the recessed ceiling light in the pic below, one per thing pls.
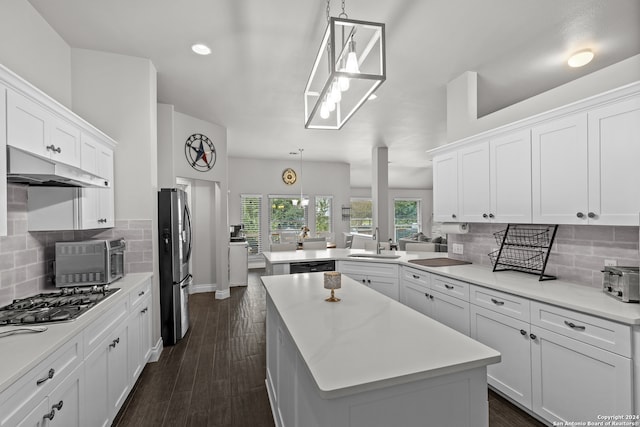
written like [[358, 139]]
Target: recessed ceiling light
[[580, 58], [201, 49]]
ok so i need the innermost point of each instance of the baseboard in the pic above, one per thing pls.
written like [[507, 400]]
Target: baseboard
[[155, 351], [223, 294], [198, 289]]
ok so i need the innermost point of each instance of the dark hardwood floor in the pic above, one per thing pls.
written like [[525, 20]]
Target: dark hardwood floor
[[215, 375]]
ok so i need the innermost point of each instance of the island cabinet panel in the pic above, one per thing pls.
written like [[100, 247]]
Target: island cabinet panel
[[512, 376]]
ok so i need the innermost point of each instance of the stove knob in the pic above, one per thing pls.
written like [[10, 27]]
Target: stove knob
[[619, 293], [609, 288]]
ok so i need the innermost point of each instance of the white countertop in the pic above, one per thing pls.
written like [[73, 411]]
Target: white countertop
[[367, 341], [564, 294], [21, 352]]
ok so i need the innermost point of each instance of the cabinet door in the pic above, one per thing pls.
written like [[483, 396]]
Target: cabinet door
[[139, 338], [445, 187], [385, 286], [510, 178], [96, 412], [35, 418], [416, 297], [559, 171], [473, 183], [27, 125], [67, 400], [118, 378], [106, 195], [89, 153], [614, 132], [576, 381], [450, 311], [65, 139], [509, 336]]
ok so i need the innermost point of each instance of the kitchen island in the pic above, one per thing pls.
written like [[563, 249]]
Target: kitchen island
[[367, 360]]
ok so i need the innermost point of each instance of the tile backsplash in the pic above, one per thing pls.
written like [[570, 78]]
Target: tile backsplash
[[577, 255], [26, 257]]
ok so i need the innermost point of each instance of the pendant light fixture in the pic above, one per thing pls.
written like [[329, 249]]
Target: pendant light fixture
[[349, 67]]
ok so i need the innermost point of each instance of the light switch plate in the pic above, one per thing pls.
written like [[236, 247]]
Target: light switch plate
[[458, 248]]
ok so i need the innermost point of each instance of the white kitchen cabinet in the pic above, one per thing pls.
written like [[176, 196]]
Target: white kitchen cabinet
[[3, 160], [494, 179], [414, 289], [450, 311], [614, 132], [559, 171], [54, 379], [35, 129], [106, 371], [577, 381], [73, 208], [139, 330], [378, 276], [512, 376], [445, 187]]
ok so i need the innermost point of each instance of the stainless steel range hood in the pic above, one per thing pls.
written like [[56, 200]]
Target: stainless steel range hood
[[26, 168]]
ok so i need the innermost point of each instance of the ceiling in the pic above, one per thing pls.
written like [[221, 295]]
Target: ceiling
[[263, 51]]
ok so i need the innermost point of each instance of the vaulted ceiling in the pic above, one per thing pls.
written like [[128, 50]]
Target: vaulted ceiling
[[263, 51]]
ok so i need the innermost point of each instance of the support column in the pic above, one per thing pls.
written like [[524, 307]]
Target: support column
[[380, 192]]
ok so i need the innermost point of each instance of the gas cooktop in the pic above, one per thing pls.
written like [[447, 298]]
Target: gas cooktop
[[67, 304]]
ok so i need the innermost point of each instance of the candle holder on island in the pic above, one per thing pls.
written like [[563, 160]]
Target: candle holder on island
[[332, 280]]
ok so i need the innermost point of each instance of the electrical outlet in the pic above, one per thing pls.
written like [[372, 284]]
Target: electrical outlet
[[610, 263], [458, 248]]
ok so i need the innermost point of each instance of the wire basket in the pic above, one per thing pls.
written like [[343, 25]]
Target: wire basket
[[518, 259], [524, 236]]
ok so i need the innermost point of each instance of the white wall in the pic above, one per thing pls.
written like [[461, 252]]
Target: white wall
[[117, 94], [460, 100], [211, 237], [425, 197], [32, 49], [259, 176]]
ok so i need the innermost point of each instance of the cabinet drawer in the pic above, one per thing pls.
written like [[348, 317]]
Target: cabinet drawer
[[418, 277], [99, 329], [500, 302], [17, 401], [602, 333], [452, 287], [138, 294], [369, 268]]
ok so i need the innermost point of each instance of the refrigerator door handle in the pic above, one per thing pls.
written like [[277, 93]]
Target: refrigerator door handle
[[187, 216], [185, 282]]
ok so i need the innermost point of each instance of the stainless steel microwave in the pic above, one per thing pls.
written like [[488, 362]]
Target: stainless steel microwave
[[89, 262]]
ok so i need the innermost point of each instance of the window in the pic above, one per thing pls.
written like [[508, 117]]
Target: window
[[406, 217], [285, 218], [323, 214], [251, 214], [361, 216]]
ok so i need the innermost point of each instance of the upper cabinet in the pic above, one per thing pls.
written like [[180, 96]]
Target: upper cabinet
[[566, 166], [559, 171], [445, 187], [614, 152], [39, 131]]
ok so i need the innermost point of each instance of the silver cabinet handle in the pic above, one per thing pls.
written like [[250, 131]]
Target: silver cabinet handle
[[523, 332], [580, 215], [426, 295], [485, 215], [453, 216], [533, 336], [50, 415], [144, 310], [448, 286], [496, 302], [491, 215], [57, 406], [574, 326], [591, 215], [415, 276], [47, 378], [114, 343], [140, 293]]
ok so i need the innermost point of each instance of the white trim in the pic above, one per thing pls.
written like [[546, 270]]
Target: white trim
[[203, 287], [223, 294], [156, 350]]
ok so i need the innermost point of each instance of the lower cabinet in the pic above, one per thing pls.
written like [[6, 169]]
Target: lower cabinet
[[378, 276], [450, 311], [512, 376], [139, 337], [106, 372]]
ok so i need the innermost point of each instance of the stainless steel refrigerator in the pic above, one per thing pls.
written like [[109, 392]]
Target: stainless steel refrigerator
[[174, 246]]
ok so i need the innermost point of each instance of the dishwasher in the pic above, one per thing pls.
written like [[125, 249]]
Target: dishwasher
[[312, 266]]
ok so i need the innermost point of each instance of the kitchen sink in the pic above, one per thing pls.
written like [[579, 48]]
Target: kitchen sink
[[387, 256]]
